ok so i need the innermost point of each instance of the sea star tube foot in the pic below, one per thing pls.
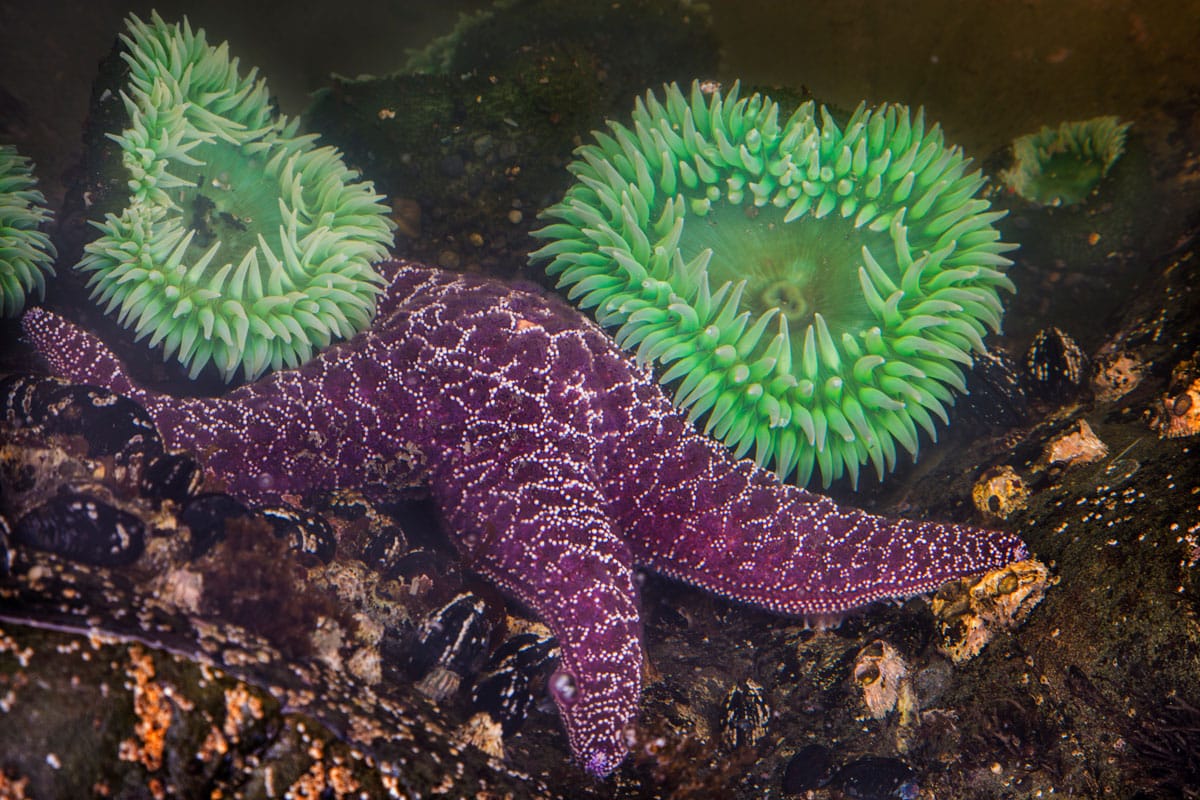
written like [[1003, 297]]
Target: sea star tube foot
[[559, 465]]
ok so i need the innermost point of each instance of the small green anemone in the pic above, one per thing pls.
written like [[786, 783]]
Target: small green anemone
[[242, 242], [1062, 166], [26, 253], [814, 291]]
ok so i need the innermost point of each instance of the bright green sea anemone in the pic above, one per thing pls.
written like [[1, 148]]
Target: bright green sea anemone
[[814, 291], [1061, 166], [26, 253], [242, 242]]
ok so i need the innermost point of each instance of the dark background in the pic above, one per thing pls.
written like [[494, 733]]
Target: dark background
[[989, 70]]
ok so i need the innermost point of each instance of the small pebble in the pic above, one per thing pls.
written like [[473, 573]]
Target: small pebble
[[406, 213], [453, 166], [448, 259], [483, 144]]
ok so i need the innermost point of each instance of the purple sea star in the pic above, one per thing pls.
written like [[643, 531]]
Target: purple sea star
[[559, 465]]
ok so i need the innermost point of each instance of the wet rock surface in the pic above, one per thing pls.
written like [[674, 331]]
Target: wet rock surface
[[241, 665], [471, 138]]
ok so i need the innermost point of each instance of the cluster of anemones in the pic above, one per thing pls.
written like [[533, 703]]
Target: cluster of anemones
[[813, 288]]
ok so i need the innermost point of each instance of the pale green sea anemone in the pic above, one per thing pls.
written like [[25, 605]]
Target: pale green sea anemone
[[814, 291], [242, 242], [1063, 165], [26, 253]]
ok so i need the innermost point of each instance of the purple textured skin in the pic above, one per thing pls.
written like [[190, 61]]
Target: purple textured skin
[[559, 465]]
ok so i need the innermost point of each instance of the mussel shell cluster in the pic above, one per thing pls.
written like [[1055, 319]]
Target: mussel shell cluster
[[63, 440]]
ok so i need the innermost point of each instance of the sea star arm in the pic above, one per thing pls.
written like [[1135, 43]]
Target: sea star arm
[[76, 355], [536, 525], [289, 432], [690, 510]]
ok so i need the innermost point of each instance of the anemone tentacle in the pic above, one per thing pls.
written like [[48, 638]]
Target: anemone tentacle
[[243, 243], [814, 291], [26, 253]]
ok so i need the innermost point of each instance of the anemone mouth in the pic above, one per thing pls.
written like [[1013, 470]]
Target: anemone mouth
[[794, 269], [26, 253], [242, 243], [1062, 166], [812, 290]]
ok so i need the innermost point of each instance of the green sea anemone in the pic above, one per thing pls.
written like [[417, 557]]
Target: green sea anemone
[[814, 290], [26, 254], [1061, 166], [242, 242]]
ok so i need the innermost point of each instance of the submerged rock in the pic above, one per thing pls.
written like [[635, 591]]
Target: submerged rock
[[471, 137]]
